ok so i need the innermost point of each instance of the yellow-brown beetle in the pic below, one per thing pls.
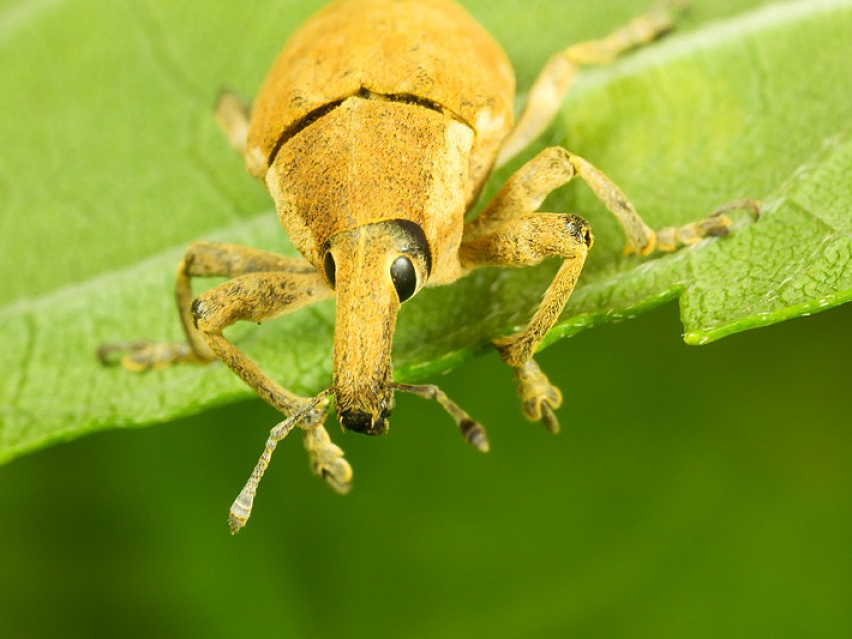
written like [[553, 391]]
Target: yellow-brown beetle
[[374, 132]]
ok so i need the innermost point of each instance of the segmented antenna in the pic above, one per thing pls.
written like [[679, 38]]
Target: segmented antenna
[[241, 508], [472, 431]]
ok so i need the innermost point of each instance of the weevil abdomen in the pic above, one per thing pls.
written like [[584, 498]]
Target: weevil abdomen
[[427, 49]]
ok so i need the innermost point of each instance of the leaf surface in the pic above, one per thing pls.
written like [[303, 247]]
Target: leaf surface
[[112, 163]]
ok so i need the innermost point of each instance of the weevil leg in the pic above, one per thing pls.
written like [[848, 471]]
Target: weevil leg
[[523, 241], [232, 116], [326, 459], [717, 224], [507, 233], [202, 259], [527, 188], [554, 81], [264, 285], [256, 297]]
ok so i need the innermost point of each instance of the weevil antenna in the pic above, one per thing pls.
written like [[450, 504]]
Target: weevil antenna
[[472, 431], [241, 508]]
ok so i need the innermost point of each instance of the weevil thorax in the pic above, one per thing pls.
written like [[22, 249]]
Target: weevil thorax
[[371, 160]]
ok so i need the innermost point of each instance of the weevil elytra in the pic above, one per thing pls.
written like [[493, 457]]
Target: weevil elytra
[[374, 132]]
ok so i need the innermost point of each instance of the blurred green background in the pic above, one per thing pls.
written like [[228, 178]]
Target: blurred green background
[[694, 492]]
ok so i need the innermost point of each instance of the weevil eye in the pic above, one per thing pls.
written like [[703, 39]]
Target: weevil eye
[[330, 268], [404, 277]]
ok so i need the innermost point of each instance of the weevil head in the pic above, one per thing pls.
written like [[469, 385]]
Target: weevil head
[[373, 269]]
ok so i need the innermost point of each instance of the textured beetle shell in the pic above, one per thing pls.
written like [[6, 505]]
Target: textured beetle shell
[[373, 160], [427, 48]]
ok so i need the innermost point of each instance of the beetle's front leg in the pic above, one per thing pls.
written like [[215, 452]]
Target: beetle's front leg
[[551, 85], [256, 297], [524, 241]]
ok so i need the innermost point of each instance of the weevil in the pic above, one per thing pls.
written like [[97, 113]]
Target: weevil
[[374, 132]]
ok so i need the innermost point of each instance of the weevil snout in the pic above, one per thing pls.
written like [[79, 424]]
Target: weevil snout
[[373, 268], [363, 422]]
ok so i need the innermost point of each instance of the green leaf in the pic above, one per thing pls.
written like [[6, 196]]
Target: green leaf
[[112, 163]]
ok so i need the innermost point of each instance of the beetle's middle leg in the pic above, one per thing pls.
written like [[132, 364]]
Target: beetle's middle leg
[[558, 75], [527, 188], [201, 259]]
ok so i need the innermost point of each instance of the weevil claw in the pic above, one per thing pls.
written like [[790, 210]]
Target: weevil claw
[[538, 396], [327, 459], [548, 418]]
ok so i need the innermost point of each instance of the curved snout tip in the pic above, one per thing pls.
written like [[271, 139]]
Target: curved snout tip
[[365, 423]]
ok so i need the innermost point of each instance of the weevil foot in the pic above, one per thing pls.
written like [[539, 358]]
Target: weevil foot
[[539, 398], [717, 224], [144, 355], [327, 459]]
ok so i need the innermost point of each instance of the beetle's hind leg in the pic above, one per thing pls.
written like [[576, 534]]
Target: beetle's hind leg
[[557, 76], [553, 167]]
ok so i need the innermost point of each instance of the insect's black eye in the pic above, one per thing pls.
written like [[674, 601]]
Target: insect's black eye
[[404, 277], [330, 269]]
